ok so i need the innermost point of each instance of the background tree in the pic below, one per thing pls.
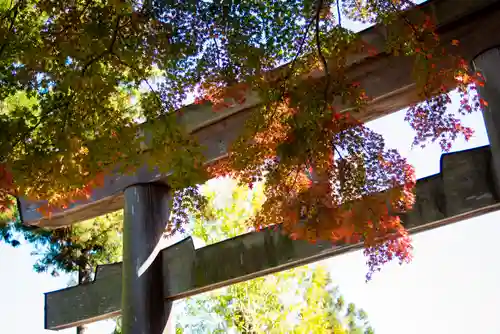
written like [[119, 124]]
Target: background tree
[[81, 246], [301, 300], [87, 67], [78, 249]]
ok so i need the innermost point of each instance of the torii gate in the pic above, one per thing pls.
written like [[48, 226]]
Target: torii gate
[[468, 185]]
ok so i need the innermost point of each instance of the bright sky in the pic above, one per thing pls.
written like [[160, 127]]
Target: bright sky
[[450, 287]]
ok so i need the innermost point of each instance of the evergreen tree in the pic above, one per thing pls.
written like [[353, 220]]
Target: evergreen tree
[[74, 249], [80, 247]]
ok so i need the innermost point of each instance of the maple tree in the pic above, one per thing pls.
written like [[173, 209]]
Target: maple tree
[[86, 68]]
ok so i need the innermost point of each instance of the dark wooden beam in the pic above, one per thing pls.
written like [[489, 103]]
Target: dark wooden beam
[[146, 213], [464, 189]]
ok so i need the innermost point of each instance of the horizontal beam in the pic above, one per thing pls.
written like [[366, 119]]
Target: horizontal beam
[[462, 190], [386, 78]]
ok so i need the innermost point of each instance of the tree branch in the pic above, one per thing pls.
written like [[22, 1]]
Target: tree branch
[[320, 53], [292, 65], [84, 9], [402, 15], [141, 75], [108, 51], [299, 51], [338, 152], [11, 27], [338, 13]]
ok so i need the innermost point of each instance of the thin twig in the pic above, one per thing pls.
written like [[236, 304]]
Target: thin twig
[[339, 14], [93, 60], [299, 51], [292, 66], [141, 75], [320, 54], [337, 150]]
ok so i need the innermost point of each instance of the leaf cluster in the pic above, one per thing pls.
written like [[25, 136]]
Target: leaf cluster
[[77, 77]]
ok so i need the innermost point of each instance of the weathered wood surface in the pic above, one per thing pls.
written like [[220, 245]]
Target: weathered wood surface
[[462, 190], [146, 214], [386, 78]]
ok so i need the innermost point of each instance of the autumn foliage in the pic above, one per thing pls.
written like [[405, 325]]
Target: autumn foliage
[[327, 176]]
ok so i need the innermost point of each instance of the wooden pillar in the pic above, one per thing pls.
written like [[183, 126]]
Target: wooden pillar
[[488, 64], [146, 214], [84, 276]]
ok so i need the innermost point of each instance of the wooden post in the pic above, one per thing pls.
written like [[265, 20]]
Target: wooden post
[[84, 276], [144, 310], [488, 64]]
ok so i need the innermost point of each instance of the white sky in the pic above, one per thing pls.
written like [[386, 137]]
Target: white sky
[[450, 287]]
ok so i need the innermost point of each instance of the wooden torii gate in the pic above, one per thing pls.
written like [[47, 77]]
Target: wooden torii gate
[[462, 190], [467, 186]]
